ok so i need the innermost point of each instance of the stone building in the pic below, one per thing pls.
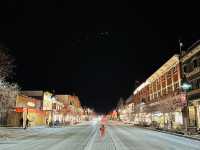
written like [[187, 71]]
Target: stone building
[[191, 74]]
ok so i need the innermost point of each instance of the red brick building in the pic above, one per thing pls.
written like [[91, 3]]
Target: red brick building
[[159, 98]]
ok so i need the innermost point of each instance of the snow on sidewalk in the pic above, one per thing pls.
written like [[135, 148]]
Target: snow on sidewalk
[[20, 133]]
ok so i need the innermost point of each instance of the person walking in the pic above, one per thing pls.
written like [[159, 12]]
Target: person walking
[[102, 131], [21, 122], [26, 124]]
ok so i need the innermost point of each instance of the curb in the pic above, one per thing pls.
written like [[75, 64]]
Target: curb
[[180, 135]]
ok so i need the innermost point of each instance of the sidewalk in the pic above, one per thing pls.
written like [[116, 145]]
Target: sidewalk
[[19, 132], [14, 132], [194, 137]]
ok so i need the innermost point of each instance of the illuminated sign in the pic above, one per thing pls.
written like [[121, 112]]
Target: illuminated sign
[[31, 104]]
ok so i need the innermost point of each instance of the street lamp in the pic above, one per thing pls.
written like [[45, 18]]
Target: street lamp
[[186, 86]]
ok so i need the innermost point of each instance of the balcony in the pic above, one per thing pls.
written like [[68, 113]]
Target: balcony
[[192, 92], [195, 71]]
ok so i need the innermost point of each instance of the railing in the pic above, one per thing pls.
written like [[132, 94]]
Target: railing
[[195, 91], [195, 71]]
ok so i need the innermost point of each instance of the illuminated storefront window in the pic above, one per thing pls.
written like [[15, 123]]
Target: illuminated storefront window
[[178, 118], [192, 117]]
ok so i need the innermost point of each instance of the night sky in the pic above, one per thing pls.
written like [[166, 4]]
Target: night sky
[[94, 51]]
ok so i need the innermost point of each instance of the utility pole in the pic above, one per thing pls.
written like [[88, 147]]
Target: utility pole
[[180, 46]]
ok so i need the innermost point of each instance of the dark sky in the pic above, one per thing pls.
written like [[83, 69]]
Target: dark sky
[[96, 51]]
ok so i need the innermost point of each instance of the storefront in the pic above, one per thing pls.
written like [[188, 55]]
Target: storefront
[[194, 114], [194, 109], [27, 108], [157, 117], [35, 116], [198, 115]]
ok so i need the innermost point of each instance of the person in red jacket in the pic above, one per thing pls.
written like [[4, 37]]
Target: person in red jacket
[[102, 131]]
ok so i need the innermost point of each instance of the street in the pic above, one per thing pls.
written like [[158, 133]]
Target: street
[[86, 137]]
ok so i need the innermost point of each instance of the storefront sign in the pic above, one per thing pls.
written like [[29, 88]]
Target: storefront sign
[[31, 104], [19, 110]]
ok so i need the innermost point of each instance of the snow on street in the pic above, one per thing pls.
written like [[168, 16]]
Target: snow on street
[[86, 137]]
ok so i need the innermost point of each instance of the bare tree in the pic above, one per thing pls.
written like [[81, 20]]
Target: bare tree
[[169, 105], [8, 91], [8, 94], [6, 64]]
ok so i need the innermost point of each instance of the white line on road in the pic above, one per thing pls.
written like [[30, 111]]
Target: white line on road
[[91, 140], [116, 141]]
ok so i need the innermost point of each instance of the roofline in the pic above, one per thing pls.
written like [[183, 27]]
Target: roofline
[[173, 60], [192, 50], [158, 72]]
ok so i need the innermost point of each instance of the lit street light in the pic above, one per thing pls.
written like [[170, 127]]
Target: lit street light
[[186, 86]]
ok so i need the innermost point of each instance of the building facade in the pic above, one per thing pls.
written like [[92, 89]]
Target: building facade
[[159, 99], [27, 108], [191, 73], [72, 110]]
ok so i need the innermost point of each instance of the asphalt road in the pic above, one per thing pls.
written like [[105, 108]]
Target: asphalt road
[[86, 137]]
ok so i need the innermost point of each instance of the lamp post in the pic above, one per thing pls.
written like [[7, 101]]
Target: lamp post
[[186, 86]]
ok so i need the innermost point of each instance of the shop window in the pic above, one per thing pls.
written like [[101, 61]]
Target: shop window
[[178, 117], [192, 116]]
